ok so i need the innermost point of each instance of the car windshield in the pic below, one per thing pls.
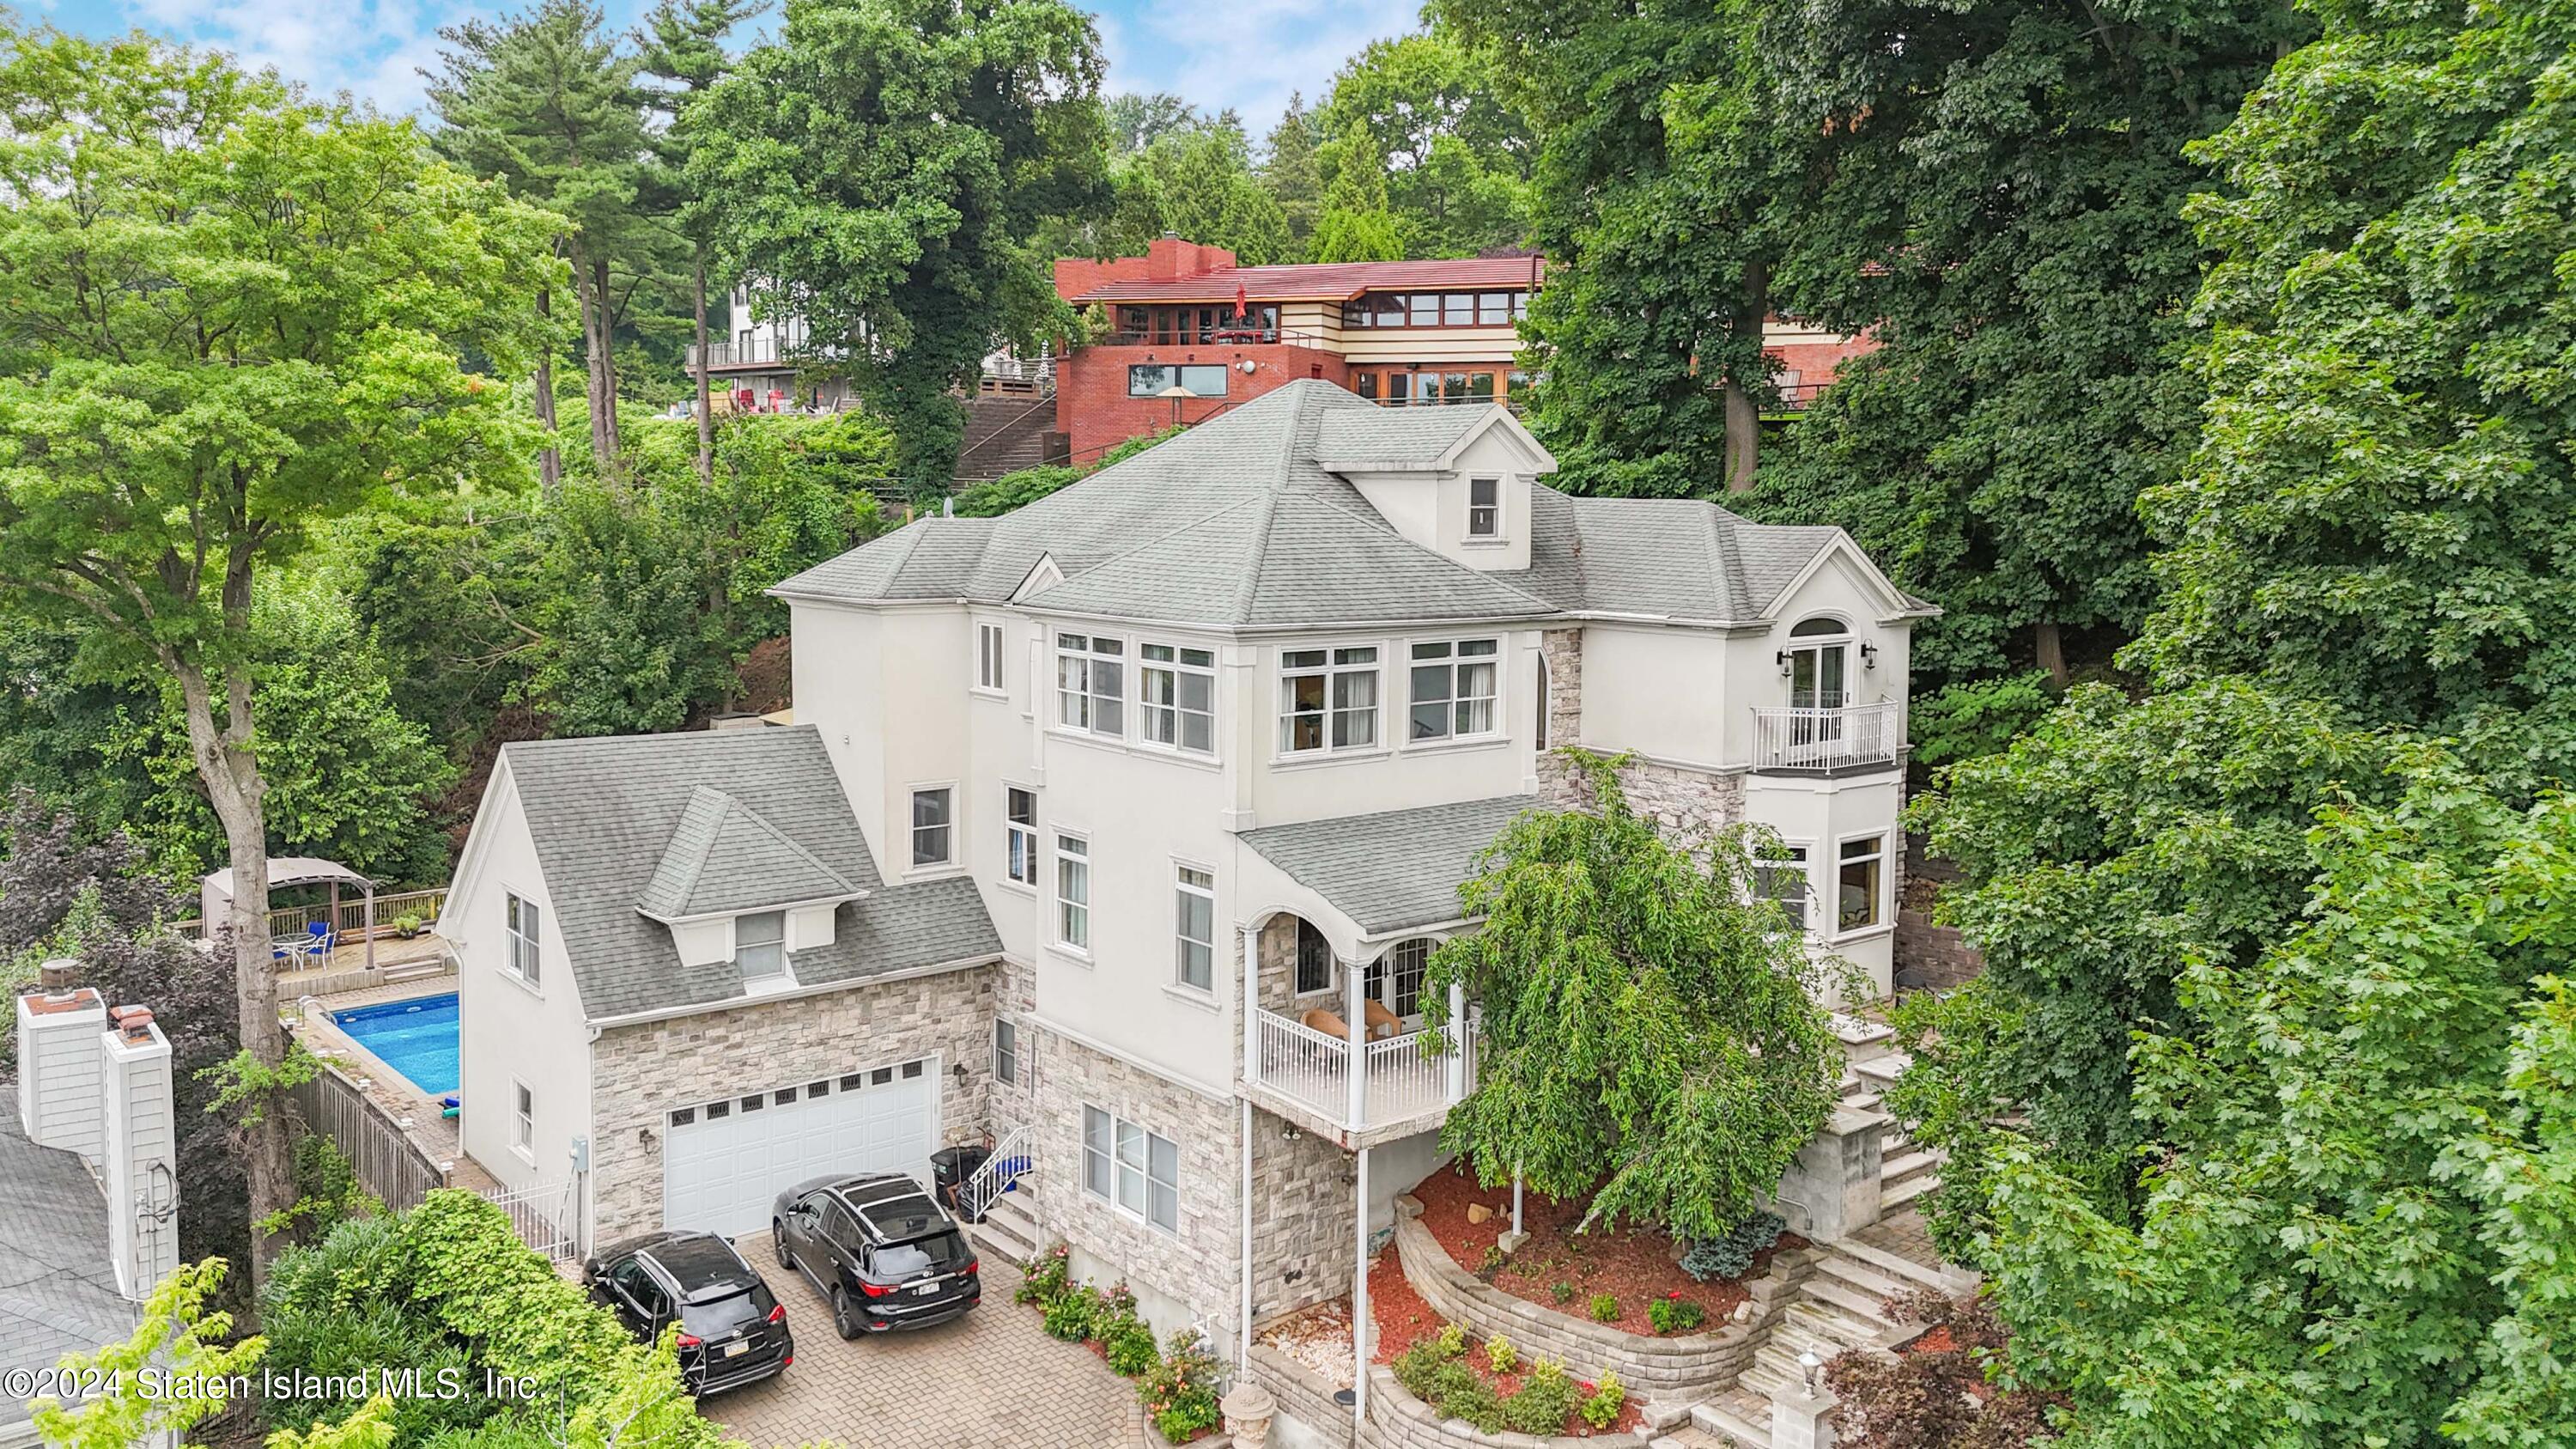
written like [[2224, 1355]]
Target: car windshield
[[938, 1253], [717, 1317]]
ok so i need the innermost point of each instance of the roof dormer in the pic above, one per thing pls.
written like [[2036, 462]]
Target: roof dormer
[[733, 887], [1455, 480]]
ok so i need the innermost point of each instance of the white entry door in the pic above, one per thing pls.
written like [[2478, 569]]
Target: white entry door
[[725, 1161]]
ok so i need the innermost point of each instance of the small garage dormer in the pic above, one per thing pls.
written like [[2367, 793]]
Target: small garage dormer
[[732, 887], [1455, 480]]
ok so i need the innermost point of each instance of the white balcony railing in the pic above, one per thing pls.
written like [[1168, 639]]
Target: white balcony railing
[[1402, 1078], [1852, 736]]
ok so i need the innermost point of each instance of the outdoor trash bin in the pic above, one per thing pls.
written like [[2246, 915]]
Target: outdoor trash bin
[[952, 1166]]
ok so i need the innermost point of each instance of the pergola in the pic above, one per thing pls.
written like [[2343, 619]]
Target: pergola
[[215, 890]]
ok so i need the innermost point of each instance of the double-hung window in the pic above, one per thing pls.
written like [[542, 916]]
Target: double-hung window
[[1006, 1052], [1863, 869], [1179, 689], [1020, 834], [1327, 700], [523, 1120], [760, 944], [1136, 1170], [1073, 891], [1454, 683], [524, 924], [1783, 878], [988, 656], [1405, 966], [1091, 683], [1484, 508], [933, 822], [1194, 927]]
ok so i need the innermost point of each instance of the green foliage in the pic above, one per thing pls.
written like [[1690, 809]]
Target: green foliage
[[364, 1338], [1730, 1254], [1500, 1356], [1179, 1391], [1417, 1366], [1129, 1346], [1673, 1313], [880, 167], [1195, 181], [1969, 720], [1457, 1393], [1561, 1291], [1069, 1315], [995, 497], [1047, 1278], [1649, 1038], [1542, 1402], [327, 1190], [1456, 160], [2379, 514], [373, 1426], [1290, 174], [1601, 1410], [1605, 1307], [176, 1336], [1356, 222]]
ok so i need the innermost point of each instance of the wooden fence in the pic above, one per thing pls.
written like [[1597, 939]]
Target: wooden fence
[[387, 1161], [351, 923]]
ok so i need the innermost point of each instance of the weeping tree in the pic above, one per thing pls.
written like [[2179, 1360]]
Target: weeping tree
[[1651, 1033]]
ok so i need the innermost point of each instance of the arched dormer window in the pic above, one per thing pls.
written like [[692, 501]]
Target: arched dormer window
[[1817, 627]]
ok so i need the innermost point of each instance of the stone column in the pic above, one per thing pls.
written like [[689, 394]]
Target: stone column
[[1801, 1420], [1831, 1190]]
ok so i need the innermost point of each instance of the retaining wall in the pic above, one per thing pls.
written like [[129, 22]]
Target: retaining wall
[[1683, 1369], [1303, 1395], [1398, 1420]]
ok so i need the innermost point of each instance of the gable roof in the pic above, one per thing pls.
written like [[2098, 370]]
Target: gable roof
[[724, 858], [606, 814], [1395, 870], [1322, 281], [1247, 521], [58, 1291]]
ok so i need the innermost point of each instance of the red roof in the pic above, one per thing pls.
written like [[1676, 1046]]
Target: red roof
[[1323, 281]]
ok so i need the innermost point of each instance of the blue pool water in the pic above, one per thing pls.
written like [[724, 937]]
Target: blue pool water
[[416, 1038]]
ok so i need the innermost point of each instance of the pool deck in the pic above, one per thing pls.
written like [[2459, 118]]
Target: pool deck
[[417, 1111]]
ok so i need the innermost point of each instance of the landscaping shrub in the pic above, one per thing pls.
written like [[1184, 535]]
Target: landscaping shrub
[[1730, 1254], [1047, 1277], [1129, 1346], [1458, 1394], [1673, 1313], [1179, 1391], [1500, 1356], [1453, 1340], [1543, 1401], [1070, 1315], [1561, 1291], [1608, 1397], [1605, 1307]]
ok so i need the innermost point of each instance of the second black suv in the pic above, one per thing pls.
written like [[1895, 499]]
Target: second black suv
[[879, 1249], [733, 1330]]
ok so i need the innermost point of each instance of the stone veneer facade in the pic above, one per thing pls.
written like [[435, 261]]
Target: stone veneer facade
[[1686, 804], [640, 1073]]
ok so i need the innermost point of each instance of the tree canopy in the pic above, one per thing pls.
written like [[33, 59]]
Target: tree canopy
[[1456, 159]]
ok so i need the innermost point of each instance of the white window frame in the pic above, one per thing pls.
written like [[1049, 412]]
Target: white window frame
[[1127, 1173], [1492, 532], [523, 1121], [1066, 907], [988, 658], [1020, 840], [1185, 890], [946, 828], [1297, 963], [1081, 704], [1449, 663], [1154, 718], [1334, 668], [1767, 875], [1006, 1051], [1543, 705], [784, 972], [521, 958], [1880, 913]]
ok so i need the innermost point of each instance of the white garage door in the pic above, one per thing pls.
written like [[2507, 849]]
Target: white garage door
[[724, 1162]]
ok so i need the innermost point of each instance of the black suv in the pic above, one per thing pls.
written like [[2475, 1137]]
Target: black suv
[[733, 1331], [879, 1249]]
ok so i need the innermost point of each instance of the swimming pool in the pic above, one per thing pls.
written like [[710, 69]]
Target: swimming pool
[[416, 1038]]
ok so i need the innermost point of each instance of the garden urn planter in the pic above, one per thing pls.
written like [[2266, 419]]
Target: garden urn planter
[[1248, 1411]]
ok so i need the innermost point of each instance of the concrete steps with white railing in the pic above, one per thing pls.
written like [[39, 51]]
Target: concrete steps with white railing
[[1009, 1229]]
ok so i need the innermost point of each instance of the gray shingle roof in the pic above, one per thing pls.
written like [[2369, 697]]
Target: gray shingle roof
[[1244, 520], [1390, 871], [603, 813], [723, 857], [57, 1288]]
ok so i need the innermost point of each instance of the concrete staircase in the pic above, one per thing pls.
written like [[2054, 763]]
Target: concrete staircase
[[1906, 1171], [1010, 1229], [1006, 432]]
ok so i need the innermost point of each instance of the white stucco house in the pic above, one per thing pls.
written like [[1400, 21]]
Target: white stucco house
[[1086, 809]]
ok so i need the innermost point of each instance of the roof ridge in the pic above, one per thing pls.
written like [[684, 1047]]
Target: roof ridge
[[1389, 530], [1249, 582], [782, 837], [1727, 558], [1155, 540]]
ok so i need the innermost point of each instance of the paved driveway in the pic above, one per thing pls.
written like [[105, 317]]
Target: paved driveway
[[989, 1380]]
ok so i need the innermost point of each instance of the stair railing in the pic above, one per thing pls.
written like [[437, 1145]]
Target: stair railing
[[1009, 1163]]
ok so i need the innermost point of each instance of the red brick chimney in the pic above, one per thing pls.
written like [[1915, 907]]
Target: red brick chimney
[[1168, 258]]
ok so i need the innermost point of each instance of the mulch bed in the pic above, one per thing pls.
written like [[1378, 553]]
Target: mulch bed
[[1405, 1319], [1636, 1266]]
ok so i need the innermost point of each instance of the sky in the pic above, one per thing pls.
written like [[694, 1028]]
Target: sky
[[1248, 54]]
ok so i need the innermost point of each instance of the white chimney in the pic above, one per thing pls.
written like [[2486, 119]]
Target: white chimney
[[58, 1066], [138, 1166]]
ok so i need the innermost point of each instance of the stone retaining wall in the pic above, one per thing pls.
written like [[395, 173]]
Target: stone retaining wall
[[1398, 1420], [1303, 1395], [1679, 1369]]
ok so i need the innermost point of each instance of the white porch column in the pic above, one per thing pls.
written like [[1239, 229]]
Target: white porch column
[[1243, 1355], [1355, 1021], [1457, 1041], [1359, 1295], [1251, 1004]]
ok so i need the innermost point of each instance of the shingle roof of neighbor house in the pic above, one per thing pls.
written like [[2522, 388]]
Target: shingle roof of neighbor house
[[1392, 871], [57, 1285], [1236, 522], [605, 815]]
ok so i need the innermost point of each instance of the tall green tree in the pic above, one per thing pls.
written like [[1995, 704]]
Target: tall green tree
[[1457, 159], [1650, 1032], [880, 169], [1998, 201], [1289, 173], [1138, 119], [2383, 505], [547, 101], [1355, 222], [1197, 182], [235, 313], [682, 46]]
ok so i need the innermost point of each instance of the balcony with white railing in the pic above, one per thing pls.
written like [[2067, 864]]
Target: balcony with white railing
[[1406, 1080], [1829, 740]]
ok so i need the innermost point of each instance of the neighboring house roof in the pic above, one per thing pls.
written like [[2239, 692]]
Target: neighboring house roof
[[604, 815], [1321, 281], [1392, 871], [1244, 521], [724, 858], [57, 1281]]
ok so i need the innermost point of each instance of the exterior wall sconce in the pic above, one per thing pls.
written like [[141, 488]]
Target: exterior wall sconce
[[1781, 658], [1869, 656]]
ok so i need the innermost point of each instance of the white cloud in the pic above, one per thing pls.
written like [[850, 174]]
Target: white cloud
[[1254, 55]]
